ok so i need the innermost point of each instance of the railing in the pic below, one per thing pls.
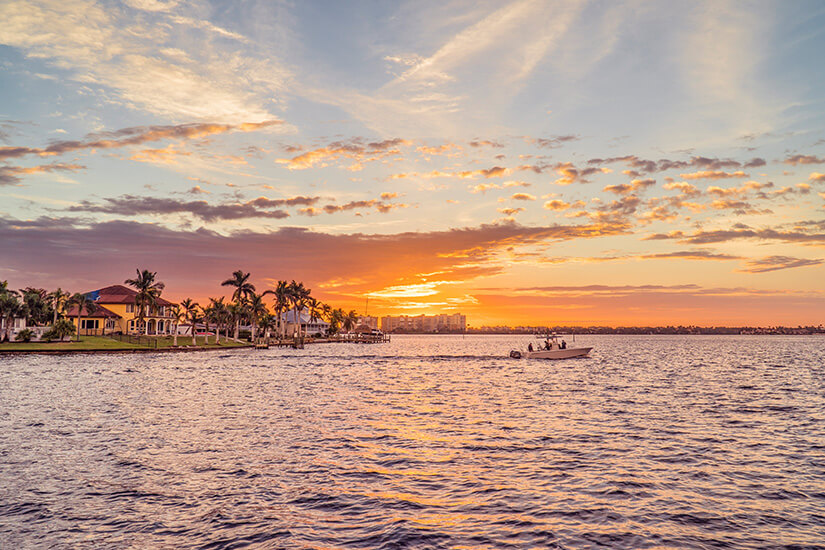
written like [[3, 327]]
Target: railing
[[139, 340]]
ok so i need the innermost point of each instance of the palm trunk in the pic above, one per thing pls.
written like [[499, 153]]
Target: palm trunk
[[78, 325], [218, 334], [254, 323], [175, 335], [237, 327]]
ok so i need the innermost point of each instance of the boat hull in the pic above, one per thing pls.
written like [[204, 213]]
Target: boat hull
[[567, 353]]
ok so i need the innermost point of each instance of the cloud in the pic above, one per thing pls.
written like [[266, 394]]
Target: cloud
[[510, 211], [484, 187], [683, 187], [570, 174], [552, 142], [376, 260], [494, 172], [10, 175], [691, 255], [355, 149], [522, 197], [130, 205], [775, 263], [380, 206], [801, 236], [556, 205], [804, 159], [134, 136], [816, 177], [625, 188], [439, 149], [649, 166], [133, 58], [713, 175]]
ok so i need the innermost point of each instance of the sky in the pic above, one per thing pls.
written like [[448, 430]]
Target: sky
[[522, 163]]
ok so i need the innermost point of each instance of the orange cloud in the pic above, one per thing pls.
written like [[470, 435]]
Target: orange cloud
[[713, 175]]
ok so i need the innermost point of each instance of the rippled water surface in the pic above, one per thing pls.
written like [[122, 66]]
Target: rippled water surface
[[426, 442]]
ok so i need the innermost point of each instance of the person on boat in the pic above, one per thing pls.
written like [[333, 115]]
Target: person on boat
[[530, 346], [547, 344], [563, 344]]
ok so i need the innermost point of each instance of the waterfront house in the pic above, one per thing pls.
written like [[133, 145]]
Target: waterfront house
[[117, 312], [309, 326]]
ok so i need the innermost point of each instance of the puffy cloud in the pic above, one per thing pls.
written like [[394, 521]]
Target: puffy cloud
[[713, 175], [439, 149], [775, 263], [485, 143], [570, 174], [356, 150], [484, 187], [683, 187], [626, 188], [510, 211], [816, 177], [380, 206], [556, 205], [804, 159], [494, 172], [648, 166], [522, 197]]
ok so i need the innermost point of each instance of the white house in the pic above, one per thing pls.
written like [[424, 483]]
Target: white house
[[309, 326]]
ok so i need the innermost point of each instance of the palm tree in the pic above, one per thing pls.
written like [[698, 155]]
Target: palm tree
[[256, 309], [243, 289], [148, 292], [176, 314], [58, 298], [298, 296], [82, 301], [9, 307], [350, 319], [219, 314], [336, 318], [190, 308]]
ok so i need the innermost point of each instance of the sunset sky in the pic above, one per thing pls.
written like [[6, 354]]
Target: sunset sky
[[596, 163]]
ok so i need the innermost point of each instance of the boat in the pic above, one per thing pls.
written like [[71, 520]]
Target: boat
[[550, 348]]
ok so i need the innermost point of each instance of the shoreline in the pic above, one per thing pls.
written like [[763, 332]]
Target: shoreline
[[179, 349]]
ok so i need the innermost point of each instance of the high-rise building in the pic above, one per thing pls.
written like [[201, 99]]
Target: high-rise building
[[455, 322]]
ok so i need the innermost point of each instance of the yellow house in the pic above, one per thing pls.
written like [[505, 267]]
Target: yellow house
[[115, 311]]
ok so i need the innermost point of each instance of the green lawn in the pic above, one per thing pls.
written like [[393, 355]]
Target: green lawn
[[94, 343]]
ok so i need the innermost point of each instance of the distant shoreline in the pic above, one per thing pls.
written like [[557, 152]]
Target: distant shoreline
[[117, 350]]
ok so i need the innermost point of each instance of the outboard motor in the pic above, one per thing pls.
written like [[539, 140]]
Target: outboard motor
[[515, 354]]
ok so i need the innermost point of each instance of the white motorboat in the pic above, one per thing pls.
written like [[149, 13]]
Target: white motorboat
[[550, 348]]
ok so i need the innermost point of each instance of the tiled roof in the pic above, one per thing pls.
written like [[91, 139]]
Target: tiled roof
[[98, 311], [119, 294]]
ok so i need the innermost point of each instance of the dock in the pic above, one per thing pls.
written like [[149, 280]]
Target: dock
[[298, 343]]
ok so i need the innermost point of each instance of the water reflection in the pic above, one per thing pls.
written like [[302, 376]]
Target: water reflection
[[427, 442]]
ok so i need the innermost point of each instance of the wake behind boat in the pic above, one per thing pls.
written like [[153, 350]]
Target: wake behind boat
[[550, 348]]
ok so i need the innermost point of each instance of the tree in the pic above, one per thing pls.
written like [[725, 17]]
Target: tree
[[10, 307], [336, 318], [298, 296], [58, 298], [177, 315], [256, 309], [61, 329], [350, 319], [38, 310], [190, 308], [148, 292], [219, 314], [243, 289], [82, 301]]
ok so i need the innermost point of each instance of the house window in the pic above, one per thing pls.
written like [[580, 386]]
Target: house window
[[89, 324], [130, 308]]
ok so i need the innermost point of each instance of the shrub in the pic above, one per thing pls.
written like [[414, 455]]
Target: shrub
[[24, 335], [59, 330]]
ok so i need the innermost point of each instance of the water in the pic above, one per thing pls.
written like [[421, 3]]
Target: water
[[427, 442]]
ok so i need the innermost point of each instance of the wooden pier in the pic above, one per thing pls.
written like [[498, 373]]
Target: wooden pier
[[298, 343]]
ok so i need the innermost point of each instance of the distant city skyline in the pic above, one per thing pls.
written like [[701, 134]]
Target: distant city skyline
[[527, 163]]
